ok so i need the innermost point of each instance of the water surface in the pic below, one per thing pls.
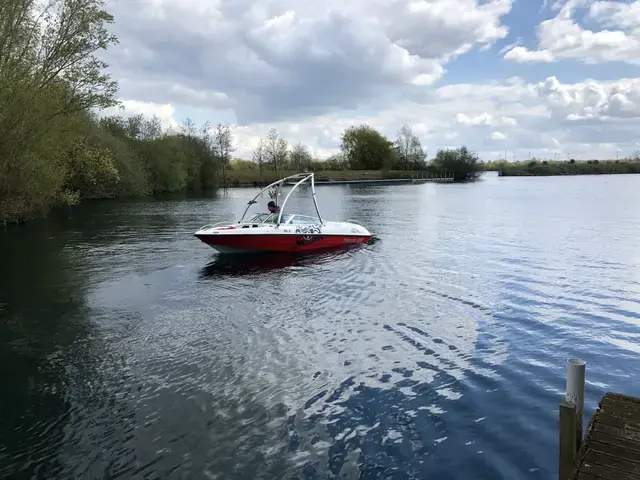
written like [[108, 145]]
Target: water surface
[[128, 349]]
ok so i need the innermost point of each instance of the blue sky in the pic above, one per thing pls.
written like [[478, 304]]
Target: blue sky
[[489, 74]]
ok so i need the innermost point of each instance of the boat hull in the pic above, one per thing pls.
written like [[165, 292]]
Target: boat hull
[[280, 242]]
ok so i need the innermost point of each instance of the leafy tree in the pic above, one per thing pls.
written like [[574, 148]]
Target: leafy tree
[[259, 155], [335, 162], [364, 148], [301, 157], [52, 149], [49, 77], [461, 162], [282, 152], [409, 152], [240, 164], [275, 149], [223, 142]]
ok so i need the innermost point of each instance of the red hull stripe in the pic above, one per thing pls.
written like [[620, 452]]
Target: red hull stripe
[[284, 242]]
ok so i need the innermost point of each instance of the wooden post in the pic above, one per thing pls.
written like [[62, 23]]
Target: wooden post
[[568, 421]]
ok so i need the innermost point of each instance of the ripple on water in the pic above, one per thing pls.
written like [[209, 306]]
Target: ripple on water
[[387, 361]]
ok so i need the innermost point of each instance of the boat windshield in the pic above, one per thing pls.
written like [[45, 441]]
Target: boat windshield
[[270, 218], [259, 218], [303, 220]]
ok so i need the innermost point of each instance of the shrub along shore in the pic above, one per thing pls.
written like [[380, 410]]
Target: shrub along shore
[[571, 167]]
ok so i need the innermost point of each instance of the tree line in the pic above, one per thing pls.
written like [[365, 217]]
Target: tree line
[[364, 148], [537, 167], [54, 149]]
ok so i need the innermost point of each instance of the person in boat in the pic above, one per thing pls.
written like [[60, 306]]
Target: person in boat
[[272, 207]]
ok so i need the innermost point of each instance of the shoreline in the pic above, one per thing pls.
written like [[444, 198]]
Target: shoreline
[[576, 174], [248, 179], [380, 181]]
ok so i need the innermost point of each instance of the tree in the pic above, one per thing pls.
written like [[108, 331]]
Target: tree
[[409, 152], [188, 127], [53, 150], [335, 162], [50, 77], [364, 148], [462, 163], [275, 149], [223, 144], [301, 157], [282, 152], [259, 155]]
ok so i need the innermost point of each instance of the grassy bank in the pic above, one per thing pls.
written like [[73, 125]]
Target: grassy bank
[[571, 167]]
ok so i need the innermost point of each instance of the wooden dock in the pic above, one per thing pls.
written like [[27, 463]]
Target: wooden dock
[[611, 448]]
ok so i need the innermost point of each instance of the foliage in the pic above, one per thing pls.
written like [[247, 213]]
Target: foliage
[[259, 155], [53, 151], [461, 162], [300, 157], [239, 164], [409, 152], [364, 148], [333, 163], [167, 161], [49, 78], [223, 145], [275, 149]]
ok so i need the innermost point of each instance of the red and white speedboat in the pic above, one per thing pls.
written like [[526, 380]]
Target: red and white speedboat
[[282, 232]]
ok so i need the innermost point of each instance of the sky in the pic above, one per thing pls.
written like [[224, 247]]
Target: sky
[[544, 78]]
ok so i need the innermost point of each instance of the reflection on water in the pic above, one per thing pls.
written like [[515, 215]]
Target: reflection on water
[[130, 349]]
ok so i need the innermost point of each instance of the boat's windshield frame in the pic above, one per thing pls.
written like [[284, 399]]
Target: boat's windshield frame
[[287, 219], [301, 177]]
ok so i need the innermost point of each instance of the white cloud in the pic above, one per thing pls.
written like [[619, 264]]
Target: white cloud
[[562, 37], [485, 119], [313, 68], [592, 100], [275, 59], [128, 108], [498, 136], [616, 14], [510, 46]]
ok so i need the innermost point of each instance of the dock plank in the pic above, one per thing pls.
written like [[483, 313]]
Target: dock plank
[[611, 448], [623, 434], [596, 471], [617, 422]]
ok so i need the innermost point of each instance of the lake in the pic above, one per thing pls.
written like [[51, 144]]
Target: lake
[[129, 349]]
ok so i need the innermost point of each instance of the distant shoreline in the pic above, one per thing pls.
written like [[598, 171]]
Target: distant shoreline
[[581, 174], [536, 168], [253, 178]]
